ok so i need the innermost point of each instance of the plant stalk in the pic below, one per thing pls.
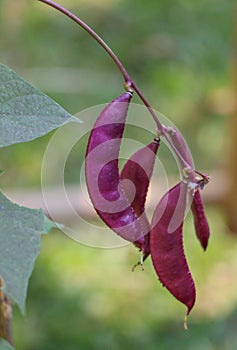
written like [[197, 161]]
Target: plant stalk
[[5, 316], [126, 76], [114, 57]]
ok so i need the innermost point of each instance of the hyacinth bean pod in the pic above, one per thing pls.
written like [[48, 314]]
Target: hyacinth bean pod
[[197, 208], [177, 140], [102, 172], [200, 220], [121, 206], [138, 170], [166, 246]]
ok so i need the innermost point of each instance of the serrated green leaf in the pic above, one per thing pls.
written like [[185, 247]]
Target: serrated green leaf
[[4, 345], [20, 240], [25, 112]]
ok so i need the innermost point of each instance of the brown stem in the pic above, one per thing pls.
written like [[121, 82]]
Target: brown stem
[[5, 316]]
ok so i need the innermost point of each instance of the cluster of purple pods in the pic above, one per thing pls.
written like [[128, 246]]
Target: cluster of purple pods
[[119, 198]]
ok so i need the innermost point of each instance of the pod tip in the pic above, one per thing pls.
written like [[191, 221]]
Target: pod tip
[[186, 322]]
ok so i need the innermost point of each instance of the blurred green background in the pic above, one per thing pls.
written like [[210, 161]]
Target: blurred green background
[[180, 55]]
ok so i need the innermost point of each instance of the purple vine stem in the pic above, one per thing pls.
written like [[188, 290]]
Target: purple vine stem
[[129, 83]]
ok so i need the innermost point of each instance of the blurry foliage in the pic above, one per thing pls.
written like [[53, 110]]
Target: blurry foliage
[[88, 298], [178, 52]]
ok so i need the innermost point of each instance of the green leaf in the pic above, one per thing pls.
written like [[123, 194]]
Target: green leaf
[[4, 345], [25, 112], [20, 240], [49, 225]]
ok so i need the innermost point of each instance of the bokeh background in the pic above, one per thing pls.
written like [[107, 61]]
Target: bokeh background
[[182, 54]]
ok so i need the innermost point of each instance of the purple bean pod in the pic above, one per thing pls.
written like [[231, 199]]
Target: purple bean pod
[[166, 246], [138, 170], [197, 208], [177, 140], [102, 172], [200, 220]]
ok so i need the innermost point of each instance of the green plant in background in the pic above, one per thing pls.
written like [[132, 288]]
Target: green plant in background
[[172, 44], [23, 106], [20, 123], [26, 114]]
